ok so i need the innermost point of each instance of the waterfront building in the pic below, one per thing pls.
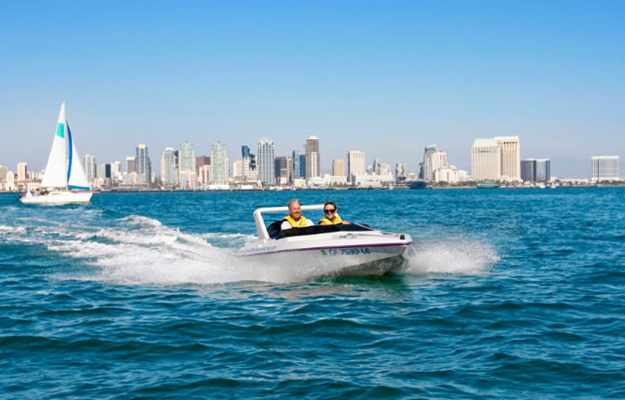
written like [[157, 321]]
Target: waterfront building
[[355, 164], [3, 173], [528, 170], [22, 172], [186, 166], [219, 164], [543, 170], [249, 171], [510, 149], [432, 160], [605, 168], [338, 167], [90, 166], [103, 171], [266, 161], [400, 172], [116, 174], [143, 165], [283, 170], [131, 164], [169, 167], [204, 175], [485, 160], [299, 165], [313, 163]]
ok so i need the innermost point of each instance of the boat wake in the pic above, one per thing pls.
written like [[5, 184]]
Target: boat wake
[[138, 250], [458, 256]]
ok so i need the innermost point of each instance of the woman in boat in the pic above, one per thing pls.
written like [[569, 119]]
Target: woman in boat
[[332, 217]]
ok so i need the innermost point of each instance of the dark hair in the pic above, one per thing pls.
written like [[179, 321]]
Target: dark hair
[[328, 203]]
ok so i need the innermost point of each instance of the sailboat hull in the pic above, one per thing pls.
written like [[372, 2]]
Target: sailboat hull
[[58, 198]]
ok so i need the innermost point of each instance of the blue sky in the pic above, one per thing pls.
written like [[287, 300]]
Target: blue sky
[[384, 77]]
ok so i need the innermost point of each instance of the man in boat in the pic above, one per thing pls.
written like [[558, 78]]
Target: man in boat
[[295, 218], [331, 215]]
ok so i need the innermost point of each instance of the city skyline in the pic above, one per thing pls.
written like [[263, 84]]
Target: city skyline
[[385, 78]]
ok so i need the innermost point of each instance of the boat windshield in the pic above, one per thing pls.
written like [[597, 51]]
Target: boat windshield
[[275, 232]]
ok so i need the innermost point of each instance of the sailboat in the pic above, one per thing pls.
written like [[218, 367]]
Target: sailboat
[[64, 181]]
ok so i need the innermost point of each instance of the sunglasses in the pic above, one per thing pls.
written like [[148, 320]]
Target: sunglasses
[[330, 211]]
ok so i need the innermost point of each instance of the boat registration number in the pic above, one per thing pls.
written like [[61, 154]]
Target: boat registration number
[[345, 252]]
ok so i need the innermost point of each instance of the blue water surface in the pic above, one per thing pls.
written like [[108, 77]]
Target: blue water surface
[[508, 294]]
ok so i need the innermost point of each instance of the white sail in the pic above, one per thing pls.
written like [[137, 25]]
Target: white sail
[[76, 176], [56, 169]]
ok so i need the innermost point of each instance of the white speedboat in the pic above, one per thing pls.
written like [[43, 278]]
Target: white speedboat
[[327, 250], [65, 180]]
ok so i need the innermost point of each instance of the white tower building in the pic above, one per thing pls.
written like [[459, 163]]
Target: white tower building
[[510, 149], [219, 164], [485, 160], [605, 168], [356, 164]]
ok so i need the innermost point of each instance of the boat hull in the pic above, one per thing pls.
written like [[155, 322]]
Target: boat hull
[[335, 254], [58, 198]]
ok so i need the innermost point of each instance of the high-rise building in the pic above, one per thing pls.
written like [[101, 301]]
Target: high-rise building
[[143, 165], [510, 149], [356, 164], [90, 168], [116, 171], [543, 170], [169, 167], [131, 164], [338, 167], [313, 166], [22, 172], [485, 160], [3, 173], [266, 161], [219, 164], [605, 168], [248, 165], [433, 159], [299, 165], [400, 171], [283, 170], [186, 166], [103, 171], [528, 170]]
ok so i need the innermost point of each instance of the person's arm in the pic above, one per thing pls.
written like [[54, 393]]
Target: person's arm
[[285, 225]]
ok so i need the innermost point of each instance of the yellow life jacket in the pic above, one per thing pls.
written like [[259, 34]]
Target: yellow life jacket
[[337, 220], [302, 222]]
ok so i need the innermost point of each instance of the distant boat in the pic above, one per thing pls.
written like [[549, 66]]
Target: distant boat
[[64, 181], [487, 185]]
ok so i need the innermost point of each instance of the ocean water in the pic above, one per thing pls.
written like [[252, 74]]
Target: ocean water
[[508, 294]]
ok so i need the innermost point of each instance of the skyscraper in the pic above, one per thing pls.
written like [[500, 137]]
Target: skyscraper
[[283, 170], [143, 165], [605, 168], [131, 164], [90, 168], [186, 166], [313, 168], [338, 167], [510, 149], [485, 160], [22, 172], [219, 164], [433, 159], [356, 164], [169, 167], [528, 170], [543, 170], [248, 165], [266, 161]]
